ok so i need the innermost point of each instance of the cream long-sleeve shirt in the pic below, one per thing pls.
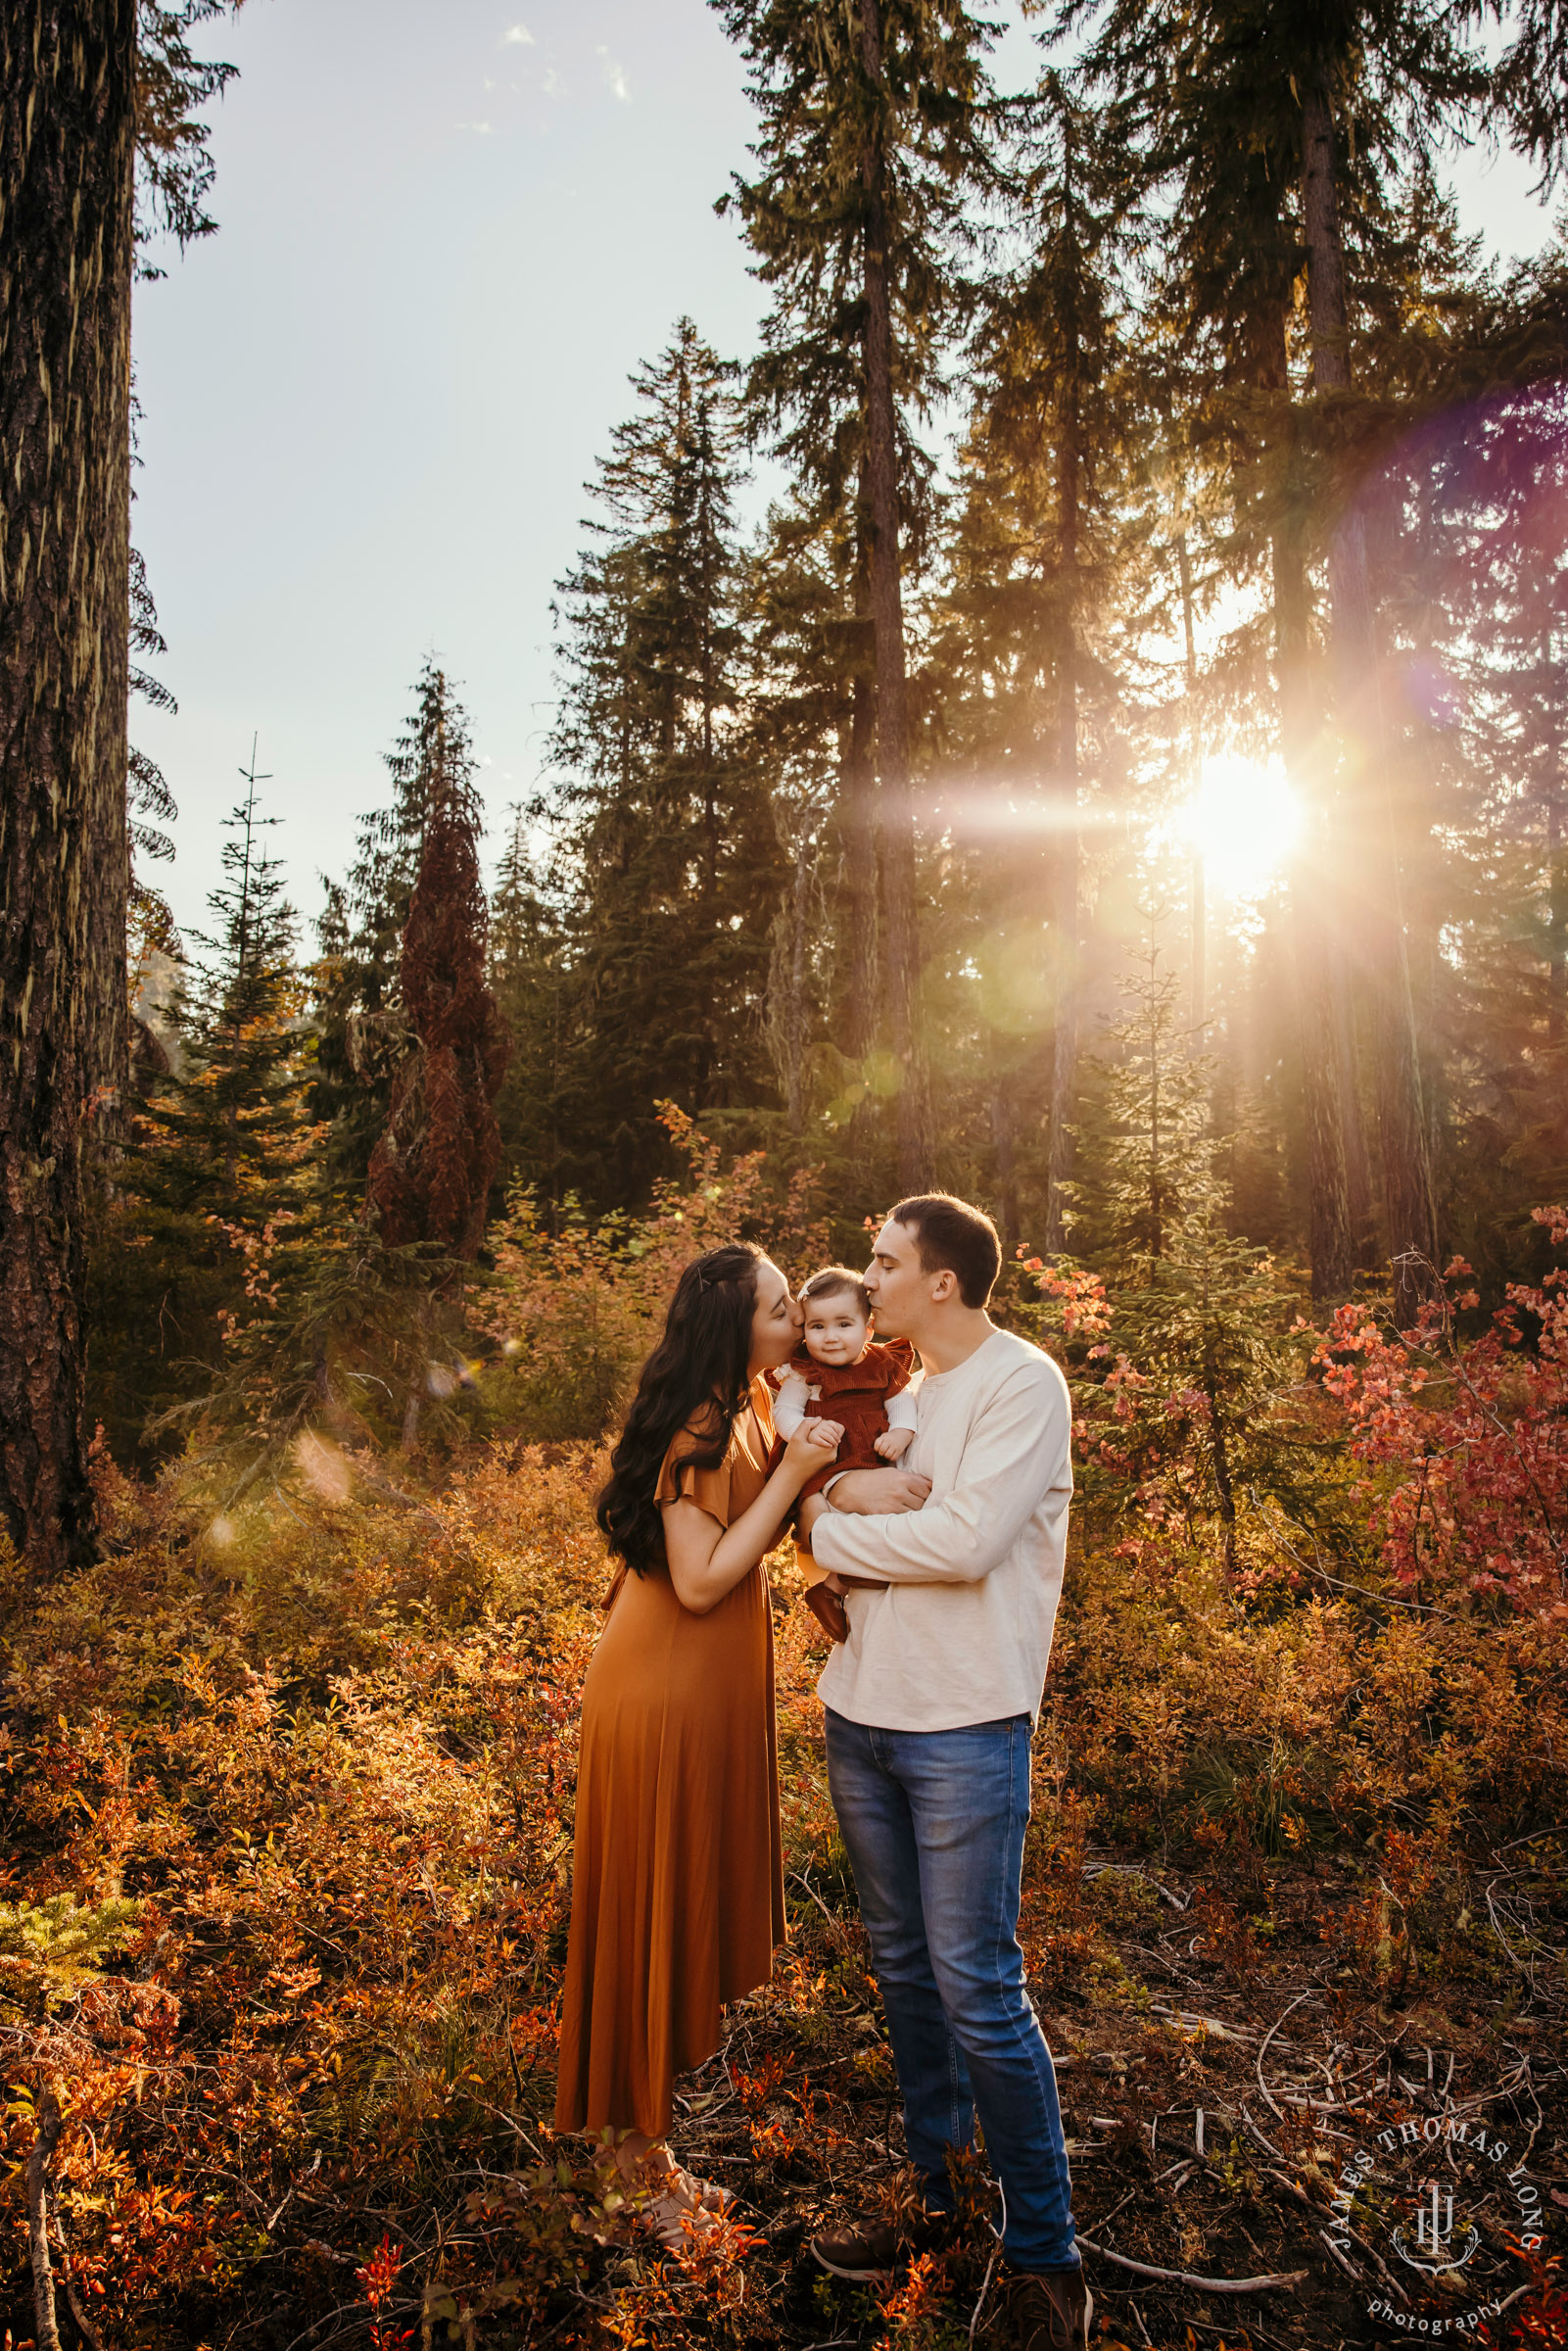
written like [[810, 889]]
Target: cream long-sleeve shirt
[[962, 1632]]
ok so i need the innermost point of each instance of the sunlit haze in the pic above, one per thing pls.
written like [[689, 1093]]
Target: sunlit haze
[[1243, 822], [368, 403]]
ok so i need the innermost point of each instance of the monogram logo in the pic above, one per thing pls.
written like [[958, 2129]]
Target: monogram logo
[[1447, 2193], [1434, 2246]]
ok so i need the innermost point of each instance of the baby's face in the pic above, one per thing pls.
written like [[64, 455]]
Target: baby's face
[[837, 1329]]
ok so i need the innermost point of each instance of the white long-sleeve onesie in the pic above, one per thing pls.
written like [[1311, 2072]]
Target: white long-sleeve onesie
[[789, 1405]]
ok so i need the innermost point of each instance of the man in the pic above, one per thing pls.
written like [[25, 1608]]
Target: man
[[930, 1703]]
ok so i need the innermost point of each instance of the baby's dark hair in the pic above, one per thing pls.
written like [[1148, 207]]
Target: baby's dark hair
[[834, 1278]]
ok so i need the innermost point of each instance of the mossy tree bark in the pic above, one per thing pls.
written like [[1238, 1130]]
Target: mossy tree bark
[[66, 161]]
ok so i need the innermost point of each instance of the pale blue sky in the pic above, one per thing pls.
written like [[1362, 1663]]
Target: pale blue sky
[[449, 230]]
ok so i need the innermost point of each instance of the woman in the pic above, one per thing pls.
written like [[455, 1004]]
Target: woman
[[678, 1885]]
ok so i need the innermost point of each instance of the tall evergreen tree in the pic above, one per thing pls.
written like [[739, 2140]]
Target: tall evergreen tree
[[1385, 80], [1151, 1162], [810, 704], [363, 1032], [245, 1019], [215, 1184], [1185, 92], [149, 801], [1034, 555], [1274, 132], [871, 142], [531, 976], [664, 830]]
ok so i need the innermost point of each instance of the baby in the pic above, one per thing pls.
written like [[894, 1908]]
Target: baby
[[843, 1374]]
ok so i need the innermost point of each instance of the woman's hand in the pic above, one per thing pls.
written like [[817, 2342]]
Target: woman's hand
[[706, 1561], [813, 1445]]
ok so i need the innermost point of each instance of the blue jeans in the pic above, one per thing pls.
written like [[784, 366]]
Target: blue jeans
[[934, 1822]]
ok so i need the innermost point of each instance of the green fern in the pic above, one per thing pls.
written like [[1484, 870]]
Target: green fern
[[58, 1943]]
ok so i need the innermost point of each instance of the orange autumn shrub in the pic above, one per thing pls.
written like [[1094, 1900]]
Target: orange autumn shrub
[[287, 1807], [1293, 1724], [304, 1797], [1466, 1441], [576, 1303]]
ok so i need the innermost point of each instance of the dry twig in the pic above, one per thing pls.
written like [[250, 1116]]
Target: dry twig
[[43, 2277], [1263, 2053], [1204, 2285]]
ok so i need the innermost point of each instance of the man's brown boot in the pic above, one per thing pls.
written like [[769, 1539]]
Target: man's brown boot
[[1043, 2310], [865, 2250]]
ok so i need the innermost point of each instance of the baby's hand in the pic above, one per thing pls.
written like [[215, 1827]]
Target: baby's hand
[[812, 1446], [894, 1443]]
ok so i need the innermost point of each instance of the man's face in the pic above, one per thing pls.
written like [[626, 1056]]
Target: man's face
[[900, 1289], [837, 1329]]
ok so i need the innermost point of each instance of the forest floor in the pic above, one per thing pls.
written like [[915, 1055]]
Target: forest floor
[[288, 1823]]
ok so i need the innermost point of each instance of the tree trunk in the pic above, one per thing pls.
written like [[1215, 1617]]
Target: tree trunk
[[1003, 1149], [1195, 777], [1328, 1206], [788, 1023], [1372, 868], [1557, 912], [1064, 909], [857, 795], [916, 1144], [1556, 859], [67, 130]]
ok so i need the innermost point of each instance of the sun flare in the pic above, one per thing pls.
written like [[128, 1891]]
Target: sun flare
[[1242, 823]]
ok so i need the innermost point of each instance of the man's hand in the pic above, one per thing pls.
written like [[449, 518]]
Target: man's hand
[[871, 1492], [894, 1443]]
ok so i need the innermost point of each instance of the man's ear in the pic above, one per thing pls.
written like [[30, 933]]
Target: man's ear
[[944, 1282]]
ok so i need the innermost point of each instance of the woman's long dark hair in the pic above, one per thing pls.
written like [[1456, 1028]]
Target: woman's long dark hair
[[696, 1374]]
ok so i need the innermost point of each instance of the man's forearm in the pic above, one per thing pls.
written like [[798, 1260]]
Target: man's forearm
[[1006, 1472]]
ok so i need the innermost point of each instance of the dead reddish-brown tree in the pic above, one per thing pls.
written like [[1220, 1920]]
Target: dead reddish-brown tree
[[432, 1169]]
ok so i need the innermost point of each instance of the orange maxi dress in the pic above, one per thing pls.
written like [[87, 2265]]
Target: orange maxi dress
[[678, 1877]]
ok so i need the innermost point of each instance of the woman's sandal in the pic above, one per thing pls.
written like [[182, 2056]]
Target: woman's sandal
[[686, 2210]]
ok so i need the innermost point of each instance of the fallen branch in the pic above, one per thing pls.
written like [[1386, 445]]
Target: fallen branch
[[1268, 2100], [1338, 2258], [986, 2288], [1209, 2023], [1202, 2286], [1514, 1960], [89, 2333], [835, 1926], [1115, 1869], [43, 2277], [1377, 2262]]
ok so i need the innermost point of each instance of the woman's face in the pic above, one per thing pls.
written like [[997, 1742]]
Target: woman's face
[[776, 1322]]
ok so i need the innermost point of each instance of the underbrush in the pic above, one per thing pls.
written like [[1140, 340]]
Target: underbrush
[[288, 1804]]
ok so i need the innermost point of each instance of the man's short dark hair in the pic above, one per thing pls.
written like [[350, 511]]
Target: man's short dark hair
[[951, 1237], [834, 1280]]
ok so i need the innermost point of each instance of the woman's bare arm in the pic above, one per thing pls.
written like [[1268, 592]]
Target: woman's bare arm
[[706, 1559]]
